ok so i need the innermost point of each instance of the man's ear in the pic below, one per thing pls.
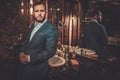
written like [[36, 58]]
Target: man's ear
[[95, 17]]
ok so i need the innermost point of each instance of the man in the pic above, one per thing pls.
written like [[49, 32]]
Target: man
[[40, 45], [95, 34]]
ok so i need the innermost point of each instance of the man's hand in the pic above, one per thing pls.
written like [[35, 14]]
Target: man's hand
[[24, 58]]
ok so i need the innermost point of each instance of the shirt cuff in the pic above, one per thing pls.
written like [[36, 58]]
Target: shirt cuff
[[28, 58]]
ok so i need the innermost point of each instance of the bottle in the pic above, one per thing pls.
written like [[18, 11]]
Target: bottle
[[81, 52], [74, 55]]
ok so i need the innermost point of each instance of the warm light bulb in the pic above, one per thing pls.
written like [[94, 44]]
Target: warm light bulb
[[22, 4], [31, 1], [22, 11], [31, 10], [58, 9]]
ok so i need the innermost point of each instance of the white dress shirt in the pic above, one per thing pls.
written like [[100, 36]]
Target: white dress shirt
[[36, 28]]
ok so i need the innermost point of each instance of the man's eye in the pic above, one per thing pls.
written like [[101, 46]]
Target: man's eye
[[37, 11], [42, 10]]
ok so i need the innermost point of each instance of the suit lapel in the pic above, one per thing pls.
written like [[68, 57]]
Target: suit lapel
[[28, 37], [38, 32], [30, 31]]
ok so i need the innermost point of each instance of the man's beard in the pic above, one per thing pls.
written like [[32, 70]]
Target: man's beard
[[39, 20]]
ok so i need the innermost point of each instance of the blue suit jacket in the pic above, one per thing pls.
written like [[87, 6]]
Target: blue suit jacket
[[42, 47], [96, 37]]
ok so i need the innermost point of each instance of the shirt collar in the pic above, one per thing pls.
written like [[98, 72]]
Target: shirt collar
[[94, 20], [39, 23]]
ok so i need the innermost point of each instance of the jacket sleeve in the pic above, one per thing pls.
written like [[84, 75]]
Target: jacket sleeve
[[104, 36]]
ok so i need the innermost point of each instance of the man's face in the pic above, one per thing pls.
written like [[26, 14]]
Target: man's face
[[39, 13], [100, 17]]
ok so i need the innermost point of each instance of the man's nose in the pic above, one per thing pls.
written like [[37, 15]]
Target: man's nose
[[39, 12]]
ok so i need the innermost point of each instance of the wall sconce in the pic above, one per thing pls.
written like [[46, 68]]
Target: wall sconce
[[25, 7], [22, 11], [31, 7], [22, 7], [58, 9]]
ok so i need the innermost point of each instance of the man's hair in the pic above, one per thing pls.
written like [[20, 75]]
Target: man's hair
[[94, 12], [39, 3]]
